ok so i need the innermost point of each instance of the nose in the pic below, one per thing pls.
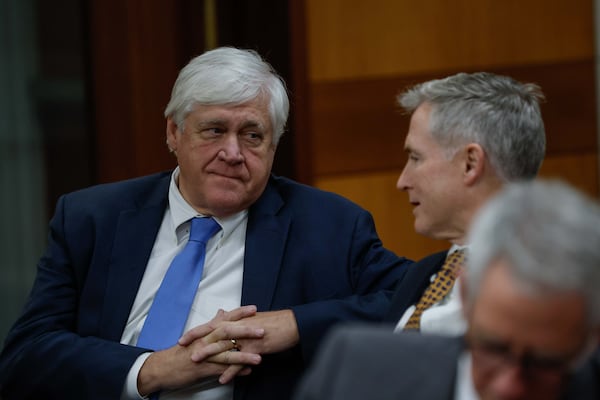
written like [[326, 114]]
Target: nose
[[231, 151], [509, 384], [402, 182]]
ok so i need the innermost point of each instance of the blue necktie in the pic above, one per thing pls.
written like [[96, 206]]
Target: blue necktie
[[171, 306]]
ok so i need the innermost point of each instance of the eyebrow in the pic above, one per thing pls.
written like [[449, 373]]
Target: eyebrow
[[210, 122], [253, 124], [409, 149], [485, 338], [223, 122]]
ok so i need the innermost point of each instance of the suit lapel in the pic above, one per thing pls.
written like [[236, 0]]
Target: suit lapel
[[414, 283], [266, 236], [135, 234]]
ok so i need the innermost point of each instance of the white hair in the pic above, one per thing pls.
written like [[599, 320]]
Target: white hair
[[228, 75]]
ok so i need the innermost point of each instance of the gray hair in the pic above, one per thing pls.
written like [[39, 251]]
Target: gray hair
[[227, 75], [497, 112], [549, 235]]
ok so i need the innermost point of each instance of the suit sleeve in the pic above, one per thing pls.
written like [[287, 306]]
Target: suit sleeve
[[368, 280], [44, 355]]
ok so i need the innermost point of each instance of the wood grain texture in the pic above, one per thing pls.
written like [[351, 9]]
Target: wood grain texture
[[357, 126], [137, 50], [359, 39]]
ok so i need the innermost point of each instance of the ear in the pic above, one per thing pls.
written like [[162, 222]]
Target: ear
[[474, 163], [172, 135]]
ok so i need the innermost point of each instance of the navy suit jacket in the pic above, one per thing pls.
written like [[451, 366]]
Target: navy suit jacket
[[410, 289], [307, 250]]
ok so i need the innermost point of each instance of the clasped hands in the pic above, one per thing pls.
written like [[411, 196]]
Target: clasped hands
[[205, 351]]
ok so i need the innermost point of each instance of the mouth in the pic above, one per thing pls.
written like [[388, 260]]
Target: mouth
[[415, 205], [227, 176]]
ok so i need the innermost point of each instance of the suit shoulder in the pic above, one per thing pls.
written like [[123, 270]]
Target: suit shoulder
[[298, 193], [351, 339], [129, 185], [124, 193], [360, 332]]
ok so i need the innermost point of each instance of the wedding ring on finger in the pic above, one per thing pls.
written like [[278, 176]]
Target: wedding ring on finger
[[235, 345]]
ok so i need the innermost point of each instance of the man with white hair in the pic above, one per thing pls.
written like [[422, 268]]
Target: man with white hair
[[131, 266]]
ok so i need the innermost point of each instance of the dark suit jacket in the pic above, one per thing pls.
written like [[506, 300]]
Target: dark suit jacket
[[367, 362], [307, 250], [410, 289], [585, 384], [358, 363]]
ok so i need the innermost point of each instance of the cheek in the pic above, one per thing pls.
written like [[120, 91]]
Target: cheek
[[198, 152], [259, 163], [482, 377]]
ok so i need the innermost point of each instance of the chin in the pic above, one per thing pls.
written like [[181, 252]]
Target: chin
[[421, 229], [226, 203]]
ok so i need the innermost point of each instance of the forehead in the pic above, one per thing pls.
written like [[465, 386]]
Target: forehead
[[254, 111], [548, 322]]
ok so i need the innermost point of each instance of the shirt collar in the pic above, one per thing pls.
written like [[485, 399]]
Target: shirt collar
[[456, 247]]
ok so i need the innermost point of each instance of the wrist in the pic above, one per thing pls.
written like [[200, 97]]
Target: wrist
[[148, 380]]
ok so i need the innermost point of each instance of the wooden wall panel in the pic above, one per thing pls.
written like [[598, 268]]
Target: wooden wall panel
[[348, 39], [137, 49], [579, 169], [357, 126]]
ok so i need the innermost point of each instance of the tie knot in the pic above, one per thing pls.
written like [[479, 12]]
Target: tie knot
[[202, 229]]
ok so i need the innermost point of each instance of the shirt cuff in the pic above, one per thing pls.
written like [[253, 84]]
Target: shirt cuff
[[130, 390]]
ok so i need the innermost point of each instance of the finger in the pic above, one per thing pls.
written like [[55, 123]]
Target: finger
[[218, 317], [220, 340], [246, 371], [231, 331], [203, 351], [238, 313], [232, 371], [195, 333], [204, 329], [236, 357]]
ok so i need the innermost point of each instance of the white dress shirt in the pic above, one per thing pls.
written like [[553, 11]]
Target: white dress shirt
[[220, 287], [444, 317]]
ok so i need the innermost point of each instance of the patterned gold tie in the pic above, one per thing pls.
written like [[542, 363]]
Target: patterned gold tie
[[438, 288]]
